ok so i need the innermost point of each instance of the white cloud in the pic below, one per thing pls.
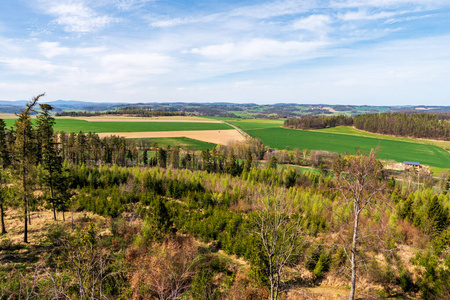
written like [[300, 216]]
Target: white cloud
[[274, 9], [428, 4], [129, 69], [171, 22], [315, 23], [29, 66], [364, 15], [150, 63], [8, 46], [76, 16], [131, 4], [89, 51], [256, 49], [52, 49], [406, 19]]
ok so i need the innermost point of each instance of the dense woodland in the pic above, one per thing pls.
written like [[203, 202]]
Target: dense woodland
[[231, 223], [417, 125], [123, 111]]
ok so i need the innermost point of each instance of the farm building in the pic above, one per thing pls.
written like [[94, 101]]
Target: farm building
[[411, 164]]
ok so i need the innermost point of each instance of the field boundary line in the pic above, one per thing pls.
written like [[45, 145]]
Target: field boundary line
[[244, 134]]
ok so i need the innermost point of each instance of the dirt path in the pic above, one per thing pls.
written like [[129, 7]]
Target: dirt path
[[211, 136]]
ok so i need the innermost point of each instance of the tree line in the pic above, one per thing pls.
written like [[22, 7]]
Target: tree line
[[417, 125], [128, 111]]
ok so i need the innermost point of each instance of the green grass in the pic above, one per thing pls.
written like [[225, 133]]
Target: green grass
[[72, 125], [184, 143], [280, 138], [353, 131], [247, 124]]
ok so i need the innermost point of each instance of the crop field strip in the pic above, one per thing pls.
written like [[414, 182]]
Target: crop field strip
[[73, 125]]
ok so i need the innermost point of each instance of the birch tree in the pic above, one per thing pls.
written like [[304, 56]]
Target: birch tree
[[358, 178], [279, 233]]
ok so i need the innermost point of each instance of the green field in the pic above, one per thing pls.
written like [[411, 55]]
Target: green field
[[280, 138], [354, 131], [72, 125], [247, 124], [346, 139], [340, 139], [184, 143]]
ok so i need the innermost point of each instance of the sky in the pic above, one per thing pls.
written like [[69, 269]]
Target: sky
[[360, 52]]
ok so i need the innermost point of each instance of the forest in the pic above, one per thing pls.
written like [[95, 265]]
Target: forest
[[122, 111], [417, 125], [133, 220]]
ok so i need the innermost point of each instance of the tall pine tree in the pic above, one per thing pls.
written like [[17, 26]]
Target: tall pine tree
[[25, 156], [5, 157], [51, 160]]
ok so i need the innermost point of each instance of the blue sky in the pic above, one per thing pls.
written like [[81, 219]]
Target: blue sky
[[374, 52]]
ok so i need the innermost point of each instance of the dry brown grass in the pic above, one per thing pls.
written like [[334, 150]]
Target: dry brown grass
[[7, 116], [41, 222]]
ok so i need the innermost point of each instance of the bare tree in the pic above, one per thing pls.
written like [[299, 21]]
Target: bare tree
[[86, 263], [359, 178], [165, 272], [279, 233]]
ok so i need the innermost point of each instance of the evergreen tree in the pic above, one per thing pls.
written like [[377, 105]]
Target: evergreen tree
[[231, 166], [145, 157], [248, 161], [437, 216], [25, 156], [272, 163], [51, 159], [63, 192], [3, 190], [5, 158], [175, 157], [158, 224], [162, 157]]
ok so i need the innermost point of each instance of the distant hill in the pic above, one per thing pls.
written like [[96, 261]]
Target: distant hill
[[227, 109]]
